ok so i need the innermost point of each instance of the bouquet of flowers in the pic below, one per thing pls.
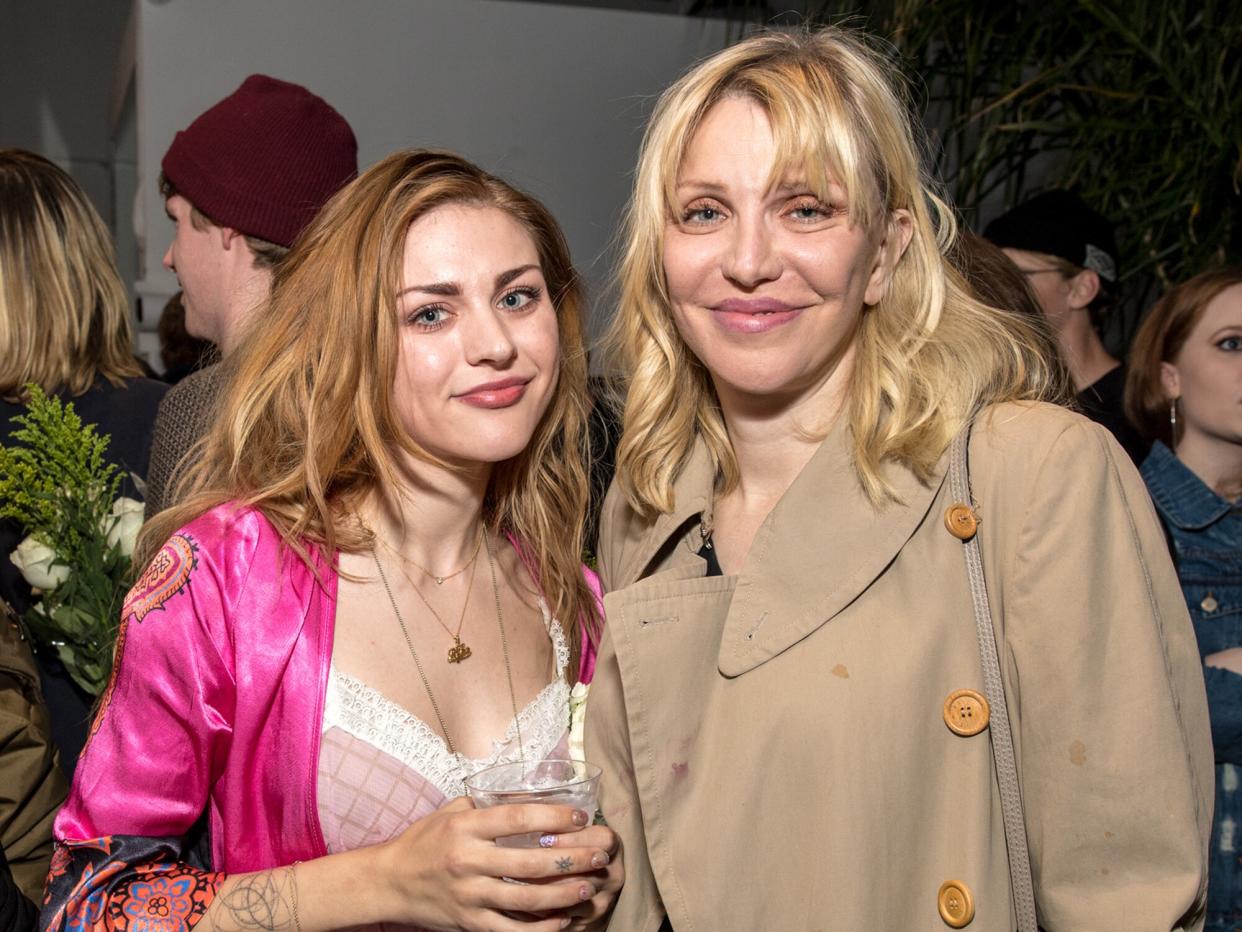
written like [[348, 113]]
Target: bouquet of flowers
[[80, 535]]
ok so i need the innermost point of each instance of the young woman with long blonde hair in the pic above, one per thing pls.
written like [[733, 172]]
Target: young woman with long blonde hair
[[794, 698], [373, 590]]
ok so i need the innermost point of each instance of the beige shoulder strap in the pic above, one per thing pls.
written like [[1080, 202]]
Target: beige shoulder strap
[[994, 690]]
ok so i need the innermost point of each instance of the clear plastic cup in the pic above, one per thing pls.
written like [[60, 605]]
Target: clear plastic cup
[[555, 782]]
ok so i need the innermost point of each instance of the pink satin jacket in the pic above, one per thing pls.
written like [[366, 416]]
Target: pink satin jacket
[[215, 706]]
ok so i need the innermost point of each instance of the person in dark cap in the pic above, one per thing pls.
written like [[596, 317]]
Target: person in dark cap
[[239, 183], [1068, 253]]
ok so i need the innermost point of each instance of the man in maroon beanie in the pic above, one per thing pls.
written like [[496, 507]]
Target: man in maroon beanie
[[240, 183]]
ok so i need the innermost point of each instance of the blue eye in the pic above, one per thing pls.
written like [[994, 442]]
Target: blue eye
[[1230, 344], [701, 214], [810, 210], [519, 298], [428, 318]]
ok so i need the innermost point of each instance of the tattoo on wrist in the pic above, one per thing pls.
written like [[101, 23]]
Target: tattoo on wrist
[[263, 901]]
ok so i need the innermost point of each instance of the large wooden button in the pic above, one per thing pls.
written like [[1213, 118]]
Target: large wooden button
[[956, 905], [966, 712], [961, 521]]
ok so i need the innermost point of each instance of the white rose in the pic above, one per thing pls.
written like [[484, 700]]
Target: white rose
[[35, 561], [577, 721], [123, 524]]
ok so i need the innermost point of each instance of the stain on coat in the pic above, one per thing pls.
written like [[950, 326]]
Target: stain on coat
[[1078, 753], [842, 671]]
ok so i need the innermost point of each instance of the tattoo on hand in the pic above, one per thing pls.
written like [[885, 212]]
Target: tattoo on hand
[[564, 865], [258, 902]]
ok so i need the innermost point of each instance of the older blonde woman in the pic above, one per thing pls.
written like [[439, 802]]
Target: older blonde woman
[[792, 700]]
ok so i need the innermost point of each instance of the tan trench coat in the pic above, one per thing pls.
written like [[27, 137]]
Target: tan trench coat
[[774, 744]]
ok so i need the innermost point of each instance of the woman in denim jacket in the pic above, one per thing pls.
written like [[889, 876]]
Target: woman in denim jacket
[[1184, 392]]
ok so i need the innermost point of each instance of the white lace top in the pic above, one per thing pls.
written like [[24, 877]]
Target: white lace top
[[381, 768]]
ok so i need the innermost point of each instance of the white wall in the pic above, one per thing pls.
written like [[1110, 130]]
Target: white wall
[[57, 63], [552, 97], [62, 92]]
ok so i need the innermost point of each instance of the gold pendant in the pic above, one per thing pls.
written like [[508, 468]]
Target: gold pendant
[[458, 652], [439, 580]]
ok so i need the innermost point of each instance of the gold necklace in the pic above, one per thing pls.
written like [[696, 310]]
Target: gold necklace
[[504, 647], [426, 572], [459, 651]]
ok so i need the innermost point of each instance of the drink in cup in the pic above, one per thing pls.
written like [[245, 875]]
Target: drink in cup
[[555, 782]]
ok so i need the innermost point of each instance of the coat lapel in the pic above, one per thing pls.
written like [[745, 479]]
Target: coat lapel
[[692, 492], [822, 545]]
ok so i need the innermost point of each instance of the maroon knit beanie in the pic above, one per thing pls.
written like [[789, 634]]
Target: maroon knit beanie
[[264, 159]]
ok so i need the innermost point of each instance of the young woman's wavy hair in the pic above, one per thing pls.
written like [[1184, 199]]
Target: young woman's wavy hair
[[1160, 338], [308, 426], [64, 317], [929, 354]]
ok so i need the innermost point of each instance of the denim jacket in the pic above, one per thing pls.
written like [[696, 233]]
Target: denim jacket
[[1205, 535]]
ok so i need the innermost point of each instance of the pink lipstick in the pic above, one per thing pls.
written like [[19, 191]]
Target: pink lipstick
[[753, 315], [501, 394]]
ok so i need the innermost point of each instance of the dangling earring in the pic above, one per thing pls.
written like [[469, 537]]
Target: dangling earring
[[1173, 422]]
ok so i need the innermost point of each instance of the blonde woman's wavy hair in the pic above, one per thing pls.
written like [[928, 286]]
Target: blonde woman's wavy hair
[[308, 426], [928, 355], [64, 317]]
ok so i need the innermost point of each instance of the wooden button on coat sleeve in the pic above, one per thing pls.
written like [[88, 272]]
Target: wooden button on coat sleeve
[[966, 712], [961, 521], [956, 905]]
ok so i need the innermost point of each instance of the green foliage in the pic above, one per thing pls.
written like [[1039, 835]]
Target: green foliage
[[1134, 104], [57, 486]]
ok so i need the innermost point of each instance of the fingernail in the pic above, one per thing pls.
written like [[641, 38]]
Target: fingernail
[[585, 892], [547, 841], [581, 817], [600, 859], [565, 923]]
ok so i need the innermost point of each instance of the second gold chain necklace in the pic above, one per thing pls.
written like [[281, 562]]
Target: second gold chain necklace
[[459, 651]]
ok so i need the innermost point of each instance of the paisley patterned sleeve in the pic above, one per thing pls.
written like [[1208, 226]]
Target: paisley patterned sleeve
[[158, 742], [125, 882]]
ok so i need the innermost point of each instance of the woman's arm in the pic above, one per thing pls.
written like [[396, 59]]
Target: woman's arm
[[159, 742], [444, 872], [1106, 689]]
